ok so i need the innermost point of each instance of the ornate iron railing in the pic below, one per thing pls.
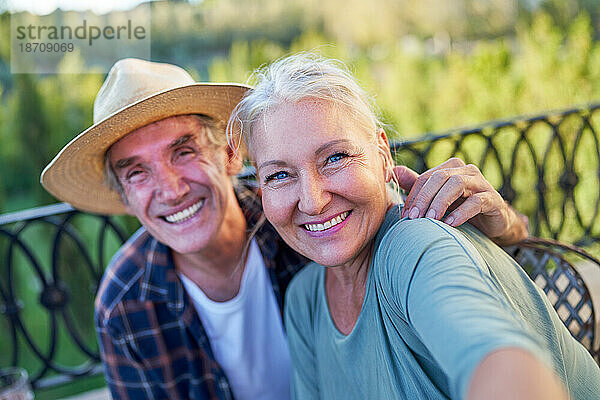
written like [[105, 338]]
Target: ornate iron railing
[[546, 166], [570, 278], [52, 258]]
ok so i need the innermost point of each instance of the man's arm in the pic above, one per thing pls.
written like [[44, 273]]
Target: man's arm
[[116, 364], [125, 377], [470, 197]]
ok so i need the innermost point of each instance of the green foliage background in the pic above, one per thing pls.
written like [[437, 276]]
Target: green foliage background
[[431, 65]]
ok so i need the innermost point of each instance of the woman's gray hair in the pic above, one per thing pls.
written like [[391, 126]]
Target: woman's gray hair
[[296, 77]]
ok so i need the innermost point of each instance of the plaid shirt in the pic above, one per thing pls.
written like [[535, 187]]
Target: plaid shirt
[[151, 339]]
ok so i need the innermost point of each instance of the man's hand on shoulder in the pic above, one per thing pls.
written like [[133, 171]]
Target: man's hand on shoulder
[[464, 191]]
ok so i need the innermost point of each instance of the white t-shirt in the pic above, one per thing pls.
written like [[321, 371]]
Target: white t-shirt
[[246, 334]]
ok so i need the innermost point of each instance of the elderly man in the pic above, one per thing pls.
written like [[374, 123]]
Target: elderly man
[[190, 307]]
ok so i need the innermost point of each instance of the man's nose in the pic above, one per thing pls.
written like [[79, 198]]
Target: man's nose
[[313, 196], [171, 186]]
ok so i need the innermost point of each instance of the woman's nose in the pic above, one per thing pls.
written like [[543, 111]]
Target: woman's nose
[[313, 196]]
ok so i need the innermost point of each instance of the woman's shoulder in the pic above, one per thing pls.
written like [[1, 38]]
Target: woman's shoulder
[[418, 235], [307, 275], [305, 284], [407, 243]]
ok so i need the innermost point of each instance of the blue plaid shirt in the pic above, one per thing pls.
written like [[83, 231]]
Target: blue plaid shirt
[[151, 339]]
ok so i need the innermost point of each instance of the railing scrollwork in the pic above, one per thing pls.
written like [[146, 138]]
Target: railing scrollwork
[[52, 262]]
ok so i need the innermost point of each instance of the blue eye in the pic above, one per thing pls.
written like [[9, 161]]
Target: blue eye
[[336, 157], [277, 176]]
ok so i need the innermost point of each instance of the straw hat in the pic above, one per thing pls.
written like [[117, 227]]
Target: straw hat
[[134, 94]]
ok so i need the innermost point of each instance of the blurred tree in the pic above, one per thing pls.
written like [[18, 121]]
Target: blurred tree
[[431, 65], [32, 132]]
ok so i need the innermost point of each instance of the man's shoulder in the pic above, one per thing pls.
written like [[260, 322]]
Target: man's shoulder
[[122, 277]]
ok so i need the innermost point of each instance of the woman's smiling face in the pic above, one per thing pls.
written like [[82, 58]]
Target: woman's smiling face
[[323, 179]]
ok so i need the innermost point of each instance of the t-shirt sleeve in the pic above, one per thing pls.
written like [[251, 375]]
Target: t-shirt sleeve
[[299, 327], [444, 290]]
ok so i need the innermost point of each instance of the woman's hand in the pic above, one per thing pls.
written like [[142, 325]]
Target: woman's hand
[[464, 191]]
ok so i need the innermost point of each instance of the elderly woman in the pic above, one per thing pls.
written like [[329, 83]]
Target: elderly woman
[[391, 308]]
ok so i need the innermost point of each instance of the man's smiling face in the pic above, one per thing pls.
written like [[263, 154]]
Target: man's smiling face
[[175, 181]]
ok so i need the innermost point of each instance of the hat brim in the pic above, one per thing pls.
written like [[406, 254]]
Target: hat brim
[[76, 174]]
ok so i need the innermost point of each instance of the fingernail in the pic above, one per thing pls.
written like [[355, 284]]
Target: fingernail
[[449, 220], [430, 214], [414, 213]]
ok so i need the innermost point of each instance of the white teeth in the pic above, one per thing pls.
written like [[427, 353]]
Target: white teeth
[[329, 224], [185, 214]]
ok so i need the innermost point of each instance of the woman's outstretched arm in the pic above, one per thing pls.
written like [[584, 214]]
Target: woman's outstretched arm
[[513, 373]]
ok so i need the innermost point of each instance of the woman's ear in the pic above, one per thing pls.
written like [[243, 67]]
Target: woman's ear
[[382, 138], [384, 148]]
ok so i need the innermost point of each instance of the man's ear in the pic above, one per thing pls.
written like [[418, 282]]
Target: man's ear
[[235, 161], [129, 211], [126, 204]]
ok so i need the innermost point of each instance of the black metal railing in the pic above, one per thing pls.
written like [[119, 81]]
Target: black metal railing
[[52, 258], [546, 166]]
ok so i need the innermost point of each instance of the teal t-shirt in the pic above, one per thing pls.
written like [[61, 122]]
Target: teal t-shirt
[[437, 301]]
